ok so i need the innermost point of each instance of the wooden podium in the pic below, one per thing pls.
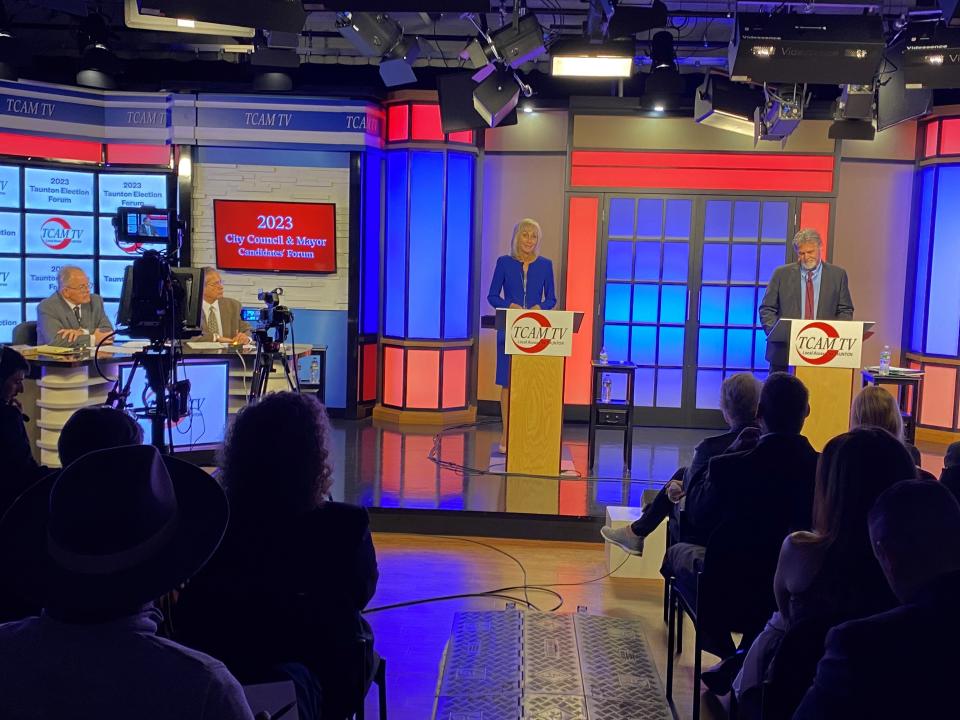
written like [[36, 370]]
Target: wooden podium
[[535, 421], [829, 379]]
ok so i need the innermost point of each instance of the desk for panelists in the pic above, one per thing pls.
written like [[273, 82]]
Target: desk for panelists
[[220, 379]]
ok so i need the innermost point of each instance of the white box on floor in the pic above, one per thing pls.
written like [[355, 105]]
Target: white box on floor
[[644, 566]]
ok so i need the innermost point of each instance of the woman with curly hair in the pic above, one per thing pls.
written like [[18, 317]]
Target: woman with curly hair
[[285, 590]]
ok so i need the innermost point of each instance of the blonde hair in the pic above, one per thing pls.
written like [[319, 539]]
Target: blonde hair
[[519, 228], [875, 407]]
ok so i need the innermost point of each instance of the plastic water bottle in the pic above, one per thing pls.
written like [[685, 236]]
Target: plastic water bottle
[[606, 393], [885, 360], [314, 372], [603, 356]]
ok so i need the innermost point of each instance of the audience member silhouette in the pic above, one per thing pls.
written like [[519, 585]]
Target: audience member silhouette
[[950, 476], [829, 575], [739, 396], [97, 427], [875, 407], [768, 488], [900, 663], [118, 529], [20, 469], [295, 568]]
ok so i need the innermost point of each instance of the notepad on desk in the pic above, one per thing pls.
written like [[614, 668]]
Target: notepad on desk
[[205, 345], [55, 350]]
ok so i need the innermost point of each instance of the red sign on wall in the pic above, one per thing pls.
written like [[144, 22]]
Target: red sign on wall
[[275, 236]]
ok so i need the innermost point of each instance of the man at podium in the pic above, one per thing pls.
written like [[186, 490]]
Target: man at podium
[[808, 289]]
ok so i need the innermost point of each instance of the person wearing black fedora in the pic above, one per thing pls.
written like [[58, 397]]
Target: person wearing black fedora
[[95, 546]]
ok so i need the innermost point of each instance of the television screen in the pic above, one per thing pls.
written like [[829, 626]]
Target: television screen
[[119, 190], [42, 275], [207, 418], [10, 278], [59, 234], [9, 319], [275, 236], [142, 226], [10, 232], [9, 186], [59, 190]]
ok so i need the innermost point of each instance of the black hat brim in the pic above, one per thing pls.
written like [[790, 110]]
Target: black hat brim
[[202, 515]]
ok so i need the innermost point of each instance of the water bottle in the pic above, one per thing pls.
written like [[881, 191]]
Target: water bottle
[[603, 356], [606, 393], [314, 372], [885, 360]]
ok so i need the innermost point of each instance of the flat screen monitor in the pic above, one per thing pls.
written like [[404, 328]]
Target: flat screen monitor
[[289, 237], [206, 421], [188, 286], [143, 225]]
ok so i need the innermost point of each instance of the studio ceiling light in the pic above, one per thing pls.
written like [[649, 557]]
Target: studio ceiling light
[[98, 65], [496, 96], [727, 105], [133, 19], [379, 35], [664, 84], [580, 59], [780, 114]]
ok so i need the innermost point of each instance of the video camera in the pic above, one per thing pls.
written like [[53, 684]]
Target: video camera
[[274, 315], [159, 302]]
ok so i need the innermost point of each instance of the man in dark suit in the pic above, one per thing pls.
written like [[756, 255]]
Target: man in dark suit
[[221, 318], [739, 396], [72, 316], [808, 289], [901, 663], [770, 484]]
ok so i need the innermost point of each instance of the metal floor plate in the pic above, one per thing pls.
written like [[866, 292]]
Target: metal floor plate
[[513, 665]]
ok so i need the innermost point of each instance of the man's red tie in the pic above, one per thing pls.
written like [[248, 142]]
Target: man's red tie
[[808, 312]]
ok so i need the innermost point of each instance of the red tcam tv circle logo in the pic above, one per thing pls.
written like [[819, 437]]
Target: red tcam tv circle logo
[[816, 343], [56, 233]]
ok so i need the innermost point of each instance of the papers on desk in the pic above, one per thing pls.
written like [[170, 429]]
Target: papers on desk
[[55, 350], [903, 372], [205, 345]]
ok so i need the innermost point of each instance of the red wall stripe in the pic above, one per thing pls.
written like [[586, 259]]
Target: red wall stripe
[[50, 148], [120, 154], [816, 215], [702, 179], [718, 161], [581, 261]]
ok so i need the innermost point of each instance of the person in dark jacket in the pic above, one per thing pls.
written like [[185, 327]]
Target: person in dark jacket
[[772, 482], [20, 469], [950, 476], [739, 396], [900, 663], [295, 569]]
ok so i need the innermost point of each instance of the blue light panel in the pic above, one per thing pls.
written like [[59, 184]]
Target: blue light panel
[[676, 257], [678, 219], [621, 217], [743, 265], [617, 303], [713, 305], [671, 346], [619, 260], [459, 226], [426, 236], [943, 319], [774, 227], [395, 272], [616, 340], [927, 178], [743, 306], [648, 261], [759, 348], [746, 221], [370, 280], [673, 304], [669, 388], [649, 218], [645, 303], [716, 222], [644, 346], [710, 348], [643, 387], [708, 389], [739, 348], [716, 256], [771, 257]]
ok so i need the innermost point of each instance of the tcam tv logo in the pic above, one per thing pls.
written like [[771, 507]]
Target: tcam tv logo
[[57, 234]]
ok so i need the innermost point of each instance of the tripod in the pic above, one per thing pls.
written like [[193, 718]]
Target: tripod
[[269, 350], [158, 361]]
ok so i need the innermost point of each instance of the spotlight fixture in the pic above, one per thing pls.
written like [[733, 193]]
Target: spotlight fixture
[[931, 57], [516, 43], [98, 65], [576, 58], [853, 114], [851, 130], [379, 35], [496, 96], [780, 114], [664, 83], [727, 105], [272, 82]]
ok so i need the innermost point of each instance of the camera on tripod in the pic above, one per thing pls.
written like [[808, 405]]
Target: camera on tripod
[[274, 315], [270, 335]]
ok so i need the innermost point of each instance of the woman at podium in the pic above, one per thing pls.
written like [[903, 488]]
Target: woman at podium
[[522, 279]]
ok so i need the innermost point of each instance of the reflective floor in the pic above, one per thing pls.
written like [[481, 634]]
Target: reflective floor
[[390, 467]]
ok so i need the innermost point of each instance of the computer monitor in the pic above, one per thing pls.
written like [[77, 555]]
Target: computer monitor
[[206, 422], [188, 283]]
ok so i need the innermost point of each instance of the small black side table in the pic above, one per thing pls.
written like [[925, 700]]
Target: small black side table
[[903, 382], [616, 414]]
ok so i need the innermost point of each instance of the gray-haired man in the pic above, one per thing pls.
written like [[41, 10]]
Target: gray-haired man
[[72, 316], [805, 290]]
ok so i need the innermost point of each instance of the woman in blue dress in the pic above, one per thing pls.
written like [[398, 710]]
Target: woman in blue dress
[[524, 280]]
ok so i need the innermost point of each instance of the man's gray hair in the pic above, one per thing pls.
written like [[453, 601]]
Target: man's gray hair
[[807, 236], [207, 269], [739, 398], [64, 275]]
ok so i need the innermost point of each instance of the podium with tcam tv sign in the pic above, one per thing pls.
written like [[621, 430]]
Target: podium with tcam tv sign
[[825, 354], [537, 341]]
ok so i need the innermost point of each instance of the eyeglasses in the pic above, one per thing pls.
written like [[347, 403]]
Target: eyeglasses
[[78, 287], [214, 283]]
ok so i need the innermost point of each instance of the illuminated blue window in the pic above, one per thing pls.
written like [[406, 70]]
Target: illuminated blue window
[[943, 306], [671, 346], [370, 278], [648, 261], [649, 219], [645, 303], [771, 257], [775, 222], [715, 261], [711, 348], [743, 306], [673, 304], [743, 263], [676, 257], [617, 303], [713, 305], [395, 271], [459, 230], [708, 389], [616, 339], [678, 219], [619, 260], [426, 242], [643, 387], [669, 388], [927, 179], [716, 224], [746, 221], [621, 217], [739, 349], [759, 348], [644, 345]]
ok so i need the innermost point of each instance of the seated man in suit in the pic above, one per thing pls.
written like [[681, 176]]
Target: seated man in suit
[[739, 395], [72, 316], [221, 320], [771, 483], [900, 663], [807, 289]]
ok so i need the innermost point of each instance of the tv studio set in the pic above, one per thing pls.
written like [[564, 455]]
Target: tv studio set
[[503, 359]]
